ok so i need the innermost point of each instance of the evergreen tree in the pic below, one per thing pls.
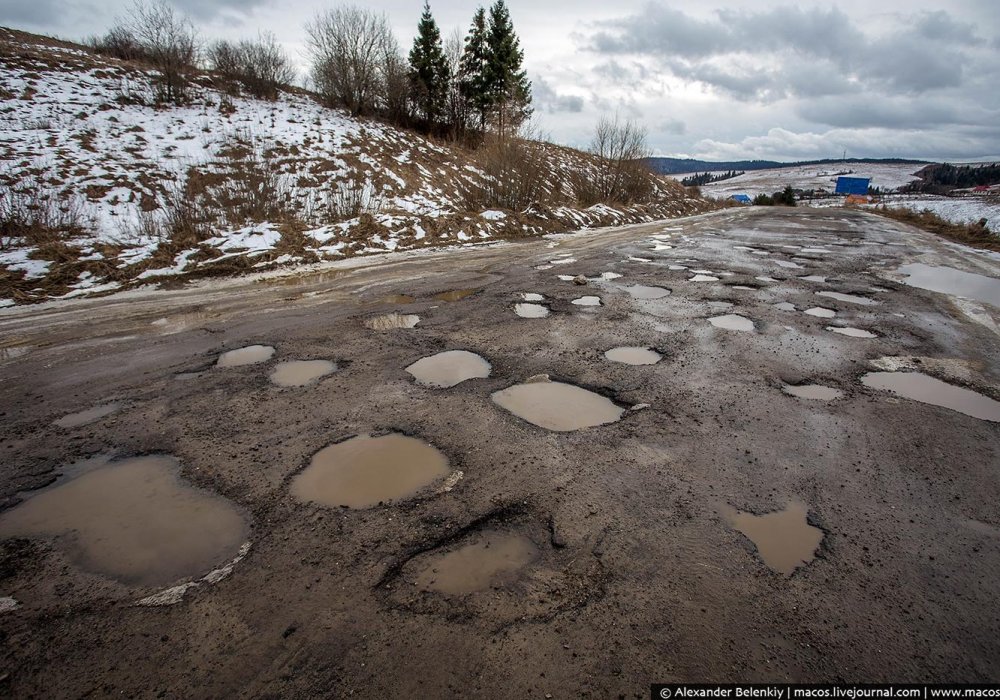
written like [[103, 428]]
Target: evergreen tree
[[475, 59], [429, 73], [506, 82]]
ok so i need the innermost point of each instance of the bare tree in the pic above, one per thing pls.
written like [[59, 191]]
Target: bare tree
[[167, 40], [260, 65], [354, 54], [621, 174], [458, 106]]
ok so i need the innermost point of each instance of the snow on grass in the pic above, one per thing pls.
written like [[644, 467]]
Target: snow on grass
[[887, 176], [957, 210]]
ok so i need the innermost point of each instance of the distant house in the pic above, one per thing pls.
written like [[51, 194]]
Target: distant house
[[981, 188], [853, 185], [741, 198], [859, 199]]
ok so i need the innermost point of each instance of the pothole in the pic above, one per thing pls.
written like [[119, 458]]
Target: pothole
[[633, 356], [820, 312], [530, 296], [641, 291], [787, 264], [455, 295], [587, 301], [531, 310], [948, 280], [301, 372], [784, 539], [448, 369], [135, 521], [388, 322], [91, 415], [815, 392], [704, 278], [250, 355], [785, 306], [851, 332], [365, 471], [733, 322], [849, 298], [493, 559], [557, 406], [398, 299], [929, 390]]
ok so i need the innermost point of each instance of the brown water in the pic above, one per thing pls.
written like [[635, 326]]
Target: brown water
[[634, 356], [816, 392], [641, 291], [301, 372], [733, 322], [250, 355], [784, 539], [926, 389], [135, 521], [851, 332], [91, 415], [850, 298], [557, 406], [365, 471], [446, 369], [455, 295], [388, 322], [398, 299], [948, 280], [820, 312], [531, 310], [494, 559]]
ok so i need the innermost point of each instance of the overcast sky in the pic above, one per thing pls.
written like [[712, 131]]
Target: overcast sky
[[714, 79]]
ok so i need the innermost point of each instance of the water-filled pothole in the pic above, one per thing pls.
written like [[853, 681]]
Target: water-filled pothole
[[531, 310], [491, 560], [91, 415], [849, 298], [447, 369], [364, 471], [134, 520], [531, 296], [929, 390], [948, 280], [816, 392], [704, 278], [250, 355], [587, 301], [641, 291], [851, 332], [301, 372], [785, 306], [398, 299], [820, 312], [732, 322], [634, 356], [557, 406], [388, 322], [784, 539], [455, 295]]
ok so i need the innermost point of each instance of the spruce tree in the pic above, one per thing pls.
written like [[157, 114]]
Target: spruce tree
[[475, 59], [507, 85], [429, 74]]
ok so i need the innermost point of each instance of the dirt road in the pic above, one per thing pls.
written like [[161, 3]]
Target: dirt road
[[614, 556]]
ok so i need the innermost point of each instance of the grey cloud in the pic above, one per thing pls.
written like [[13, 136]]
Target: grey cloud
[[36, 13], [545, 98], [672, 126], [209, 9]]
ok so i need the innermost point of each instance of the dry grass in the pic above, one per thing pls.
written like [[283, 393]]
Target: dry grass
[[972, 235]]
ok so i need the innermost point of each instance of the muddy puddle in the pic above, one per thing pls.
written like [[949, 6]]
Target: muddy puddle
[[849, 298], [398, 299], [634, 356], [301, 372], [388, 322], [91, 415], [929, 390], [641, 291], [785, 306], [704, 278], [733, 322], [448, 369], [851, 332], [531, 310], [784, 539], [135, 521], [492, 560], [365, 471], [531, 296], [948, 280], [250, 355], [814, 392], [558, 407], [455, 295], [820, 312], [587, 301]]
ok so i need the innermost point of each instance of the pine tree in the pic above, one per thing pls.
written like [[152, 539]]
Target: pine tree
[[475, 59], [429, 74], [507, 85]]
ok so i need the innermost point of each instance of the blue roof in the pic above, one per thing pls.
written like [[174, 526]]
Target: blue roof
[[741, 198], [853, 185]]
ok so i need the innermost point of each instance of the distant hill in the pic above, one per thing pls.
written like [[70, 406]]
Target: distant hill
[[673, 166]]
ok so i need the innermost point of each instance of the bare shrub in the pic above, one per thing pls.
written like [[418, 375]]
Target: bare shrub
[[261, 66], [350, 199], [254, 189], [37, 214], [353, 53], [515, 169], [620, 174], [163, 38], [118, 43]]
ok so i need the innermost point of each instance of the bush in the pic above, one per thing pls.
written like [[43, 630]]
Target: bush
[[621, 175], [514, 172], [261, 66], [38, 214]]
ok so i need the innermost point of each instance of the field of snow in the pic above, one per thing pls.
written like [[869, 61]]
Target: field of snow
[[809, 177], [958, 210]]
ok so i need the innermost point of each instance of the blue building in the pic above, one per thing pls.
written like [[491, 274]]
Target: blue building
[[853, 185], [741, 198]]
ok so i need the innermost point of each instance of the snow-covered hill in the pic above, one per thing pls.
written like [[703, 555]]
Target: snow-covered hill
[[887, 176], [228, 183]]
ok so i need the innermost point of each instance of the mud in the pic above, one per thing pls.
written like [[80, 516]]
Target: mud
[[493, 560], [814, 392], [88, 416], [299, 373], [733, 322], [558, 406], [388, 322], [250, 355], [784, 539], [634, 356], [635, 577], [448, 369], [531, 310]]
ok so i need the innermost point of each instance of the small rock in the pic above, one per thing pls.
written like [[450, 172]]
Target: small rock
[[537, 379], [580, 280]]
